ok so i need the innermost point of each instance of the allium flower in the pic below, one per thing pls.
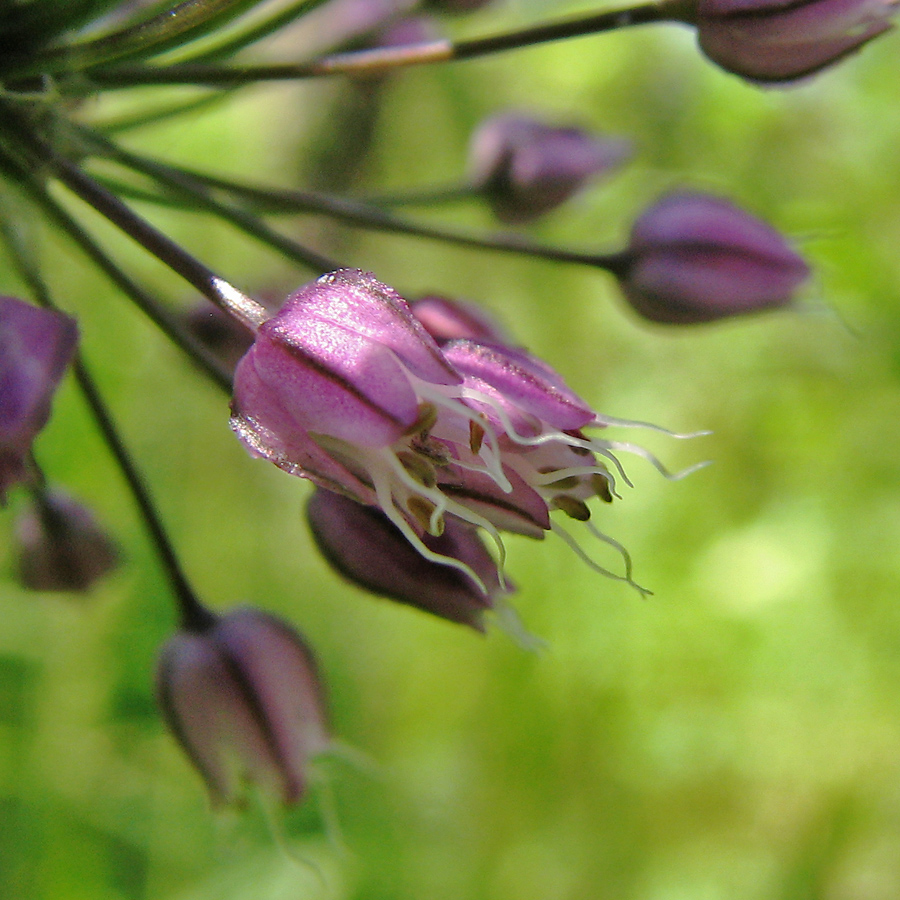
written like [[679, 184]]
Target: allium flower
[[60, 546], [36, 345], [244, 700], [363, 545], [526, 168], [696, 258], [344, 386], [776, 40]]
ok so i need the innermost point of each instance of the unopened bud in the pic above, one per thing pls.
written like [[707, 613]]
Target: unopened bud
[[60, 545], [777, 41], [223, 335], [363, 546], [448, 320], [526, 168], [36, 346], [244, 700], [697, 258]]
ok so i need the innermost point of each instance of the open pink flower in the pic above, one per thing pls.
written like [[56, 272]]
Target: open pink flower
[[345, 387]]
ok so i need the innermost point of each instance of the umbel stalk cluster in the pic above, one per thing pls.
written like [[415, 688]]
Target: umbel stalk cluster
[[427, 432]]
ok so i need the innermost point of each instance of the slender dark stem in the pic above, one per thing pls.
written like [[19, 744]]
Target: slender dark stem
[[370, 217], [181, 23], [194, 615], [215, 288], [145, 301], [385, 58], [187, 187], [432, 196]]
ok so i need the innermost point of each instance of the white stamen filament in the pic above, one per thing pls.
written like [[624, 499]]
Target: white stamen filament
[[386, 502], [558, 529]]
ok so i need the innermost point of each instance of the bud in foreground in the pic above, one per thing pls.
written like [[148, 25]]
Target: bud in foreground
[[243, 699], [778, 41], [36, 345], [61, 547], [362, 545], [697, 258], [526, 168]]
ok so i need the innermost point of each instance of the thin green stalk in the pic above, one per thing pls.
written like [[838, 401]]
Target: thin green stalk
[[184, 22], [194, 615], [211, 285], [382, 59], [146, 302], [190, 189], [373, 218]]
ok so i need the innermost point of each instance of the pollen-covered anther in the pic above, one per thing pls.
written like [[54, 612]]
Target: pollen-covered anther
[[428, 415], [425, 513], [476, 437], [600, 485], [418, 467], [572, 507]]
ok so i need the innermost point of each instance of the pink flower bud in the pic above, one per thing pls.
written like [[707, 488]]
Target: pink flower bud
[[780, 41], [243, 699], [362, 545], [526, 168], [36, 345], [697, 258], [60, 546], [446, 320]]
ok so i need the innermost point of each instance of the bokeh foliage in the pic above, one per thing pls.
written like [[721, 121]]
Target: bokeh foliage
[[737, 735]]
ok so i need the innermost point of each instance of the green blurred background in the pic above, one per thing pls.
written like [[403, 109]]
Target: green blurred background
[[737, 735]]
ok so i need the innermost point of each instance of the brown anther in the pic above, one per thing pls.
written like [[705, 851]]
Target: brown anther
[[418, 467], [425, 420], [434, 451], [422, 511], [476, 436], [581, 451], [600, 484], [574, 509]]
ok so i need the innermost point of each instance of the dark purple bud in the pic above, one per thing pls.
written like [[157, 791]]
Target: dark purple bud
[[526, 168], [223, 335], [60, 546], [363, 546], [244, 700], [447, 320], [36, 346], [697, 258], [781, 41]]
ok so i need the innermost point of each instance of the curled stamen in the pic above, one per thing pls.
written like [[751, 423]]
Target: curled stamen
[[558, 529], [602, 420], [637, 450], [385, 501]]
